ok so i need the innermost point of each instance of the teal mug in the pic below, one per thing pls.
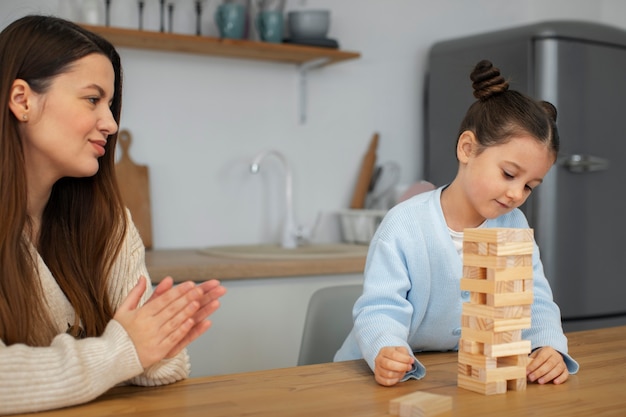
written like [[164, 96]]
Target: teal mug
[[269, 24], [231, 20]]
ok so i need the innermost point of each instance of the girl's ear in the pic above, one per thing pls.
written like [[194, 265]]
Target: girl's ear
[[466, 146], [19, 99]]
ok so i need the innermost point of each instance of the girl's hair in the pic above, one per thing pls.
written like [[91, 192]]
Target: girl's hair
[[500, 114], [84, 221]]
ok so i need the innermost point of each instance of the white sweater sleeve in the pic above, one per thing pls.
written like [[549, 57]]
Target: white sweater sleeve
[[70, 371], [67, 372]]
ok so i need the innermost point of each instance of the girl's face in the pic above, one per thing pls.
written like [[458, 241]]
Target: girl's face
[[501, 177], [67, 127]]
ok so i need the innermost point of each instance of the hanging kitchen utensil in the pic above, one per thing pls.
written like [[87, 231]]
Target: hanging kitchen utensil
[[134, 185]]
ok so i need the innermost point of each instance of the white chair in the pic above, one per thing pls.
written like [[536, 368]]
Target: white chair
[[328, 322]]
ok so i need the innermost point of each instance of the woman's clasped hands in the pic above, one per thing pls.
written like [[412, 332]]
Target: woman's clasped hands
[[173, 317]]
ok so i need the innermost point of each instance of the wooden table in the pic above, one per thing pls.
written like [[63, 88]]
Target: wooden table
[[348, 389]]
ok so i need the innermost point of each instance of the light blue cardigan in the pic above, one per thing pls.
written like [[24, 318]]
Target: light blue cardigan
[[411, 294]]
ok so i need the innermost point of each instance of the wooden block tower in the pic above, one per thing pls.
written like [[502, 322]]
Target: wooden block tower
[[498, 273]]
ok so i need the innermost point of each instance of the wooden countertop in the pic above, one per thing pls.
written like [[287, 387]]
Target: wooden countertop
[[348, 389], [192, 264]]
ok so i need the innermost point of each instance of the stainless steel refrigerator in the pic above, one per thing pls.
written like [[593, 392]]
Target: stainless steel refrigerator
[[579, 212]]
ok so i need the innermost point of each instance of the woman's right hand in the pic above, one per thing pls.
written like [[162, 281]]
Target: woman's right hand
[[391, 364], [159, 326], [209, 303]]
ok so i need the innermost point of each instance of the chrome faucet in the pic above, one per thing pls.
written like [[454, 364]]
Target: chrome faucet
[[290, 233]]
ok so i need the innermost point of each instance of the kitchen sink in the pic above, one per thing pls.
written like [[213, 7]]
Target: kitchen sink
[[277, 252]]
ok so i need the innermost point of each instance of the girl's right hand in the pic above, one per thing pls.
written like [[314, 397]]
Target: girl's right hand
[[158, 327], [391, 364]]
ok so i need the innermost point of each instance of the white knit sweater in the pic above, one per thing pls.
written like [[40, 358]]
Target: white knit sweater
[[71, 371]]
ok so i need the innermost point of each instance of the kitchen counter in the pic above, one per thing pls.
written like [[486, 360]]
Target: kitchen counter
[[193, 264], [348, 389]]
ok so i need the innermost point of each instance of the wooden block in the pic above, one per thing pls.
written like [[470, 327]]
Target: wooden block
[[507, 349], [478, 285], [502, 373], [420, 404], [431, 405], [476, 272], [485, 388], [509, 286], [518, 260], [478, 323], [478, 298], [492, 287], [470, 346], [508, 274], [477, 360], [528, 284], [516, 384], [478, 248], [495, 325], [507, 325], [502, 312], [498, 248], [394, 404], [511, 248], [490, 337], [499, 262], [498, 235], [509, 299], [515, 360], [464, 369]]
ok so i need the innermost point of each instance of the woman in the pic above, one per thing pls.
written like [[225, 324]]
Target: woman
[[412, 300], [77, 312]]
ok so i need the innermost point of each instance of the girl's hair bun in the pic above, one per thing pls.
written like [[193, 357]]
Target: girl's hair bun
[[487, 80]]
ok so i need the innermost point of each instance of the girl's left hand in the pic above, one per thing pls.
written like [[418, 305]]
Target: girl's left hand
[[547, 365]]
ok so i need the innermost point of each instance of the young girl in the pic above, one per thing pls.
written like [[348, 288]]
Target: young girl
[[411, 299], [77, 312]]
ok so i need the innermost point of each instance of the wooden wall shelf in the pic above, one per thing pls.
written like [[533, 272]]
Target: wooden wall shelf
[[304, 57], [229, 48]]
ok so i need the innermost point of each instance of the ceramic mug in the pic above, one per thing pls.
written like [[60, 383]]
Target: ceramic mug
[[269, 24], [231, 20]]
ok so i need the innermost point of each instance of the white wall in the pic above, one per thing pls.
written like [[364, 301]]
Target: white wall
[[197, 120]]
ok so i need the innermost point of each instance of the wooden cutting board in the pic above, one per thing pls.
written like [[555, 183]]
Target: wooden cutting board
[[134, 184], [365, 175]]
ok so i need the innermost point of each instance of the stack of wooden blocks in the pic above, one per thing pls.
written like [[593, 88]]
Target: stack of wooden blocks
[[498, 273]]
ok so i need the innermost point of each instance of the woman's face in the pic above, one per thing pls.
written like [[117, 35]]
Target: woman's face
[[501, 178], [68, 125]]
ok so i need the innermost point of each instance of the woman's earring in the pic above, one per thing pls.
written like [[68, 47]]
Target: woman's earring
[[24, 117]]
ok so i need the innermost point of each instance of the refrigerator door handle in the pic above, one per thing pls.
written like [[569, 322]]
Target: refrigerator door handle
[[584, 163]]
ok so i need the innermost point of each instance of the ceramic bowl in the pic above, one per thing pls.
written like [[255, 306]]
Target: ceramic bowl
[[308, 24]]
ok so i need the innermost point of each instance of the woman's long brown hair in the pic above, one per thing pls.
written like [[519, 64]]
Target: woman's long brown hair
[[83, 223]]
